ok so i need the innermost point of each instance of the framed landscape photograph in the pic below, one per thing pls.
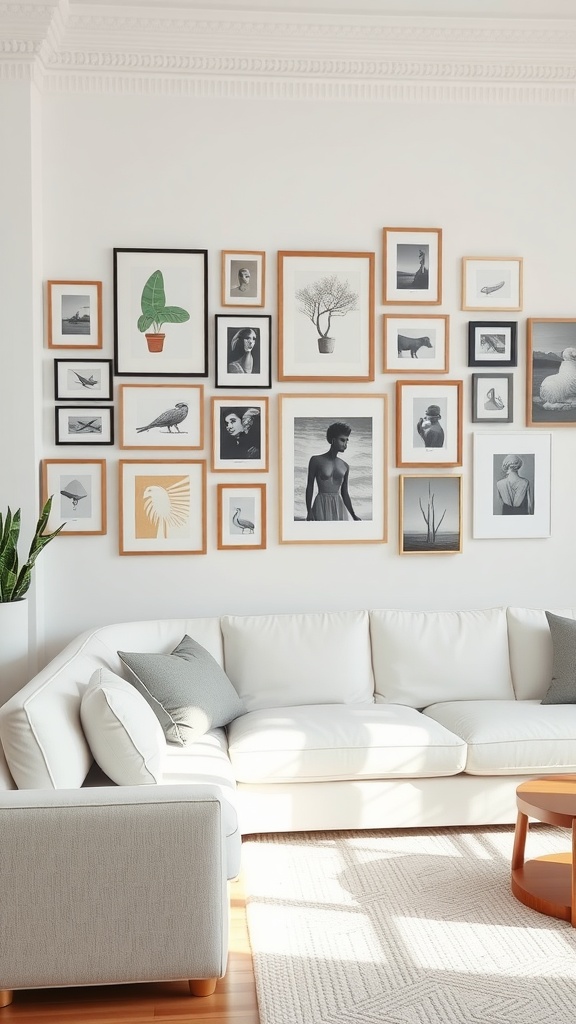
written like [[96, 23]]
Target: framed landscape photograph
[[429, 423], [243, 350], [492, 343], [241, 516], [492, 397], [74, 314], [160, 312], [326, 316], [492, 282], [551, 372], [162, 507], [155, 416], [239, 434], [333, 459], [84, 424], [79, 490], [243, 277], [83, 380], [416, 344], [412, 266], [511, 485], [430, 515]]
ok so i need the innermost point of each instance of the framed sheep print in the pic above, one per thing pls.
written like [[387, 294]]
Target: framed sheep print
[[79, 490], [239, 434], [430, 515], [84, 424], [243, 351], [416, 344], [492, 282], [160, 312], [511, 482], [333, 457], [326, 316], [243, 277], [492, 397], [429, 423], [241, 516], [83, 380], [492, 343], [155, 416], [74, 314], [162, 507], [412, 266], [551, 372]]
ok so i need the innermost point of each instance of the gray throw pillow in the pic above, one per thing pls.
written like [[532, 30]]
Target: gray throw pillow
[[562, 689], [187, 689]]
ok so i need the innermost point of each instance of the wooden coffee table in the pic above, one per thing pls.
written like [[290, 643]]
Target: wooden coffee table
[[546, 884]]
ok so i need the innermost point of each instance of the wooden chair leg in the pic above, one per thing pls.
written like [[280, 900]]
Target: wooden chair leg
[[203, 986], [6, 996]]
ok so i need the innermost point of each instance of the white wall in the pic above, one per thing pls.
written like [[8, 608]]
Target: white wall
[[176, 172]]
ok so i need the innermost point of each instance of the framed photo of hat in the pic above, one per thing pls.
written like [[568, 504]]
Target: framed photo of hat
[[429, 423]]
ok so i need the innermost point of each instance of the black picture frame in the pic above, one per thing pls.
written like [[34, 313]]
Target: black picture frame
[[492, 343], [229, 359], [95, 428], [83, 380]]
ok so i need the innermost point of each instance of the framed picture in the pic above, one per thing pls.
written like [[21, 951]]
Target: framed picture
[[239, 434], [326, 316], [416, 344], [492, 397], [333, 457], [155, 416], [74, 314], [243, 351], [162, 507], [243, 277], [84, 424], [241, 516], [492, 282], [511, 485], [430, 515], [429, 423], [551, 372], [79, 490], [84, 380], [492, 343], [160, 312], [412, 266]]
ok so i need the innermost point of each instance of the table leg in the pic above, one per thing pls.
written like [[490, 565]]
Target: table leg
[[520, 833]]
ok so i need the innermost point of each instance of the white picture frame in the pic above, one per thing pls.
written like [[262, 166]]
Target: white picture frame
[[496, 472]]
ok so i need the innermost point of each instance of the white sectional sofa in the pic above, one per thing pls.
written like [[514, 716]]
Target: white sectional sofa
[[357, 719]]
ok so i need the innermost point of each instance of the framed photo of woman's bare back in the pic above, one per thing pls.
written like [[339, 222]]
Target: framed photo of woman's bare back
[[412, 266], [511, 483], [333, 457], [551, 372], [429, 423]]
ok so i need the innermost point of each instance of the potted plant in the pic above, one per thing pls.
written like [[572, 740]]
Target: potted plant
[[15, 579], [155, 312], [327, 297]]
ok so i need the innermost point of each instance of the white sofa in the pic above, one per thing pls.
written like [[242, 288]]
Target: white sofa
[[362, 719]]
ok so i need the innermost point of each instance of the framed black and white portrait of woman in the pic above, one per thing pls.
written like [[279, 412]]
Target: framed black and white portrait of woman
[[243, 351], [239, 434]]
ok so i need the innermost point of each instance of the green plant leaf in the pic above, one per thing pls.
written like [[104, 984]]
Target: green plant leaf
[[153, 295], [15, 581], [172, 315], [145, 321]]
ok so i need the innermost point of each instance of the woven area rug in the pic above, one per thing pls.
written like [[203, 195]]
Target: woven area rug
[[410, 927]]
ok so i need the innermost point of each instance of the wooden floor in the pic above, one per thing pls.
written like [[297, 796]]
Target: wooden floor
[[233, 1001]]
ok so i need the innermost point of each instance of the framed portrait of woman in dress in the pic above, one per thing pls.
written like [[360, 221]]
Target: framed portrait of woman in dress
[[243, 351], [511, 485], [333, 456], [239, 434]]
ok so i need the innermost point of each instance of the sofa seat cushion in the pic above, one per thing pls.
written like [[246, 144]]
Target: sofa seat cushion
[[512, 737], [334, 742]]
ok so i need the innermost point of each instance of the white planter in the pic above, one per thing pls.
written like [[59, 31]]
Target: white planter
[[13, 647]]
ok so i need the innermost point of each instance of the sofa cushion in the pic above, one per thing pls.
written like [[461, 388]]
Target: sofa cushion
[[335, 741], [123, 732], [187, 690], [291, 660], [562, 689], [512, 737], [421, 658], [531, 650]]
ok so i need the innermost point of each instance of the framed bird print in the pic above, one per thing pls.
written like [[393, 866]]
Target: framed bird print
[[239, 434], [83, 380], [162, 507], [551, 372], [78, 487], [84, 424], [155, 416], [241, 516]]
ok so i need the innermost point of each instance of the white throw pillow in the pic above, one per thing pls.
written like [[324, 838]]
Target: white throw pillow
[[123, 732]]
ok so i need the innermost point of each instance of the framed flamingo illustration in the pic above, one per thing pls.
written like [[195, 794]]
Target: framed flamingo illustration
[[162, 507]]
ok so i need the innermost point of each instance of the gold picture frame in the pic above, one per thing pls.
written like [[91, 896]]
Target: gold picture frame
[[412, 266], [162, 506], [243, 277], [161, 416], [79, 490], [492, 283], [550, 372], [429, 423], [241, 517], [430, 514], [74, 314]]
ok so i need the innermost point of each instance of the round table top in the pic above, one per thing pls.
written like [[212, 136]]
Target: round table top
[[551, 798]]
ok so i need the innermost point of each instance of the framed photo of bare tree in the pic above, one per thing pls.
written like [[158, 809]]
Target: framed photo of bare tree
[[162, 507], [326, 316], [412, 266], [430, 515], [429, 423], [241, 516], [414, 343]]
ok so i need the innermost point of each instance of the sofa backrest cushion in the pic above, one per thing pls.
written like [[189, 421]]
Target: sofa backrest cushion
[[421, 658], [531, 650], [290, 660]]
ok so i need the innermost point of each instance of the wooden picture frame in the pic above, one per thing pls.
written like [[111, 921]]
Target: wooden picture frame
[[492, 397], [492, 282], [326, 316], [83, 424], [83, 380], [551, 372], [243, 278], [162, 506], [492, 343], [512, 485], [74, 314], [161, 416], [429, 423], [416, 343], [243, 350], [430, 514], [78, 487], [412, 266], [241, 516], [239, 434]]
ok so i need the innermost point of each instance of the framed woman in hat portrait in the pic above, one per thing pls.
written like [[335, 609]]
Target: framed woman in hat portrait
[[429, 428], [429, 423]]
